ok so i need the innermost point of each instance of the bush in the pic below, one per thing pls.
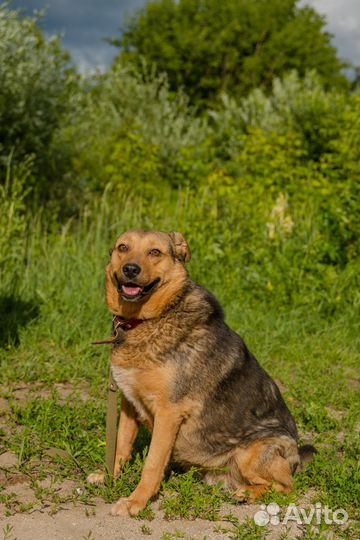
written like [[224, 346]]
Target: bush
[[36, 86], [131, 133], [302, 141], [317, 115]]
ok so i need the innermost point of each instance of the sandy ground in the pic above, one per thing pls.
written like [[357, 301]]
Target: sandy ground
[[95, 523], [74, 520]]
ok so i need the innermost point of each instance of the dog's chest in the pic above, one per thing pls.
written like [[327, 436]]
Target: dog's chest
[[127, 380]]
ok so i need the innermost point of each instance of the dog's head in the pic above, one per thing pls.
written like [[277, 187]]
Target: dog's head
[[146, 271]]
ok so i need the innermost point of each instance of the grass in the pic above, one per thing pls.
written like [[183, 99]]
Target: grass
[[187, 497], [57, 429], [243, 531]]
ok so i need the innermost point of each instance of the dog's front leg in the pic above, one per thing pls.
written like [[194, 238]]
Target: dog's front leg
[[166, 426]]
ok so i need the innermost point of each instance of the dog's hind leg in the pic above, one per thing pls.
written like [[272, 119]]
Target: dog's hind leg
[[264, 464]]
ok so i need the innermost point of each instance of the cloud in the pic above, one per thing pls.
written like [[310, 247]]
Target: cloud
[[343, 21], [85, 24]]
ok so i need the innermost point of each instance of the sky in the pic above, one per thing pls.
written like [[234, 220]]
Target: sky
[[86, 23]]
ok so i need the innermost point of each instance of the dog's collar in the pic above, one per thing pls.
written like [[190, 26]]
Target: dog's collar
[[120, 325], [125, 324]]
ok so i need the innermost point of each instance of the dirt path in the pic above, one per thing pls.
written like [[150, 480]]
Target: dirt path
[[54, 510], [95, 523]]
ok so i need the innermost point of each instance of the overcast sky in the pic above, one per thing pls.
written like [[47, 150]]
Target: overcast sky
[[85, 24]]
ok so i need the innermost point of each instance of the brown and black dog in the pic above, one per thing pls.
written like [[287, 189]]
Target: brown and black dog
[[190, 379]]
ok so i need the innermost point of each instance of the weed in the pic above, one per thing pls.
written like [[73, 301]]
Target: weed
[[145, 529], [89, 536], [148, 514], [244, 531], [7, 532], [187, 497], [176, 535]]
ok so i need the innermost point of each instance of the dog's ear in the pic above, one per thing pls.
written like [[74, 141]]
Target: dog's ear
[[182, 250]]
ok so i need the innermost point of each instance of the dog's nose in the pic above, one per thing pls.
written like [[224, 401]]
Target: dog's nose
[[131, 270]]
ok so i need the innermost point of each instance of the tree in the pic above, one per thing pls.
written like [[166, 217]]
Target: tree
[[208, 47], [36, 82]]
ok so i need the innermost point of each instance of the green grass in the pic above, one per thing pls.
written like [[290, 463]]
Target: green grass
[[243, 531], [187, 497], [55, 307]]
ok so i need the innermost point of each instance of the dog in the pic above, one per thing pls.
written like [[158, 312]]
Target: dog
[[190, 379]]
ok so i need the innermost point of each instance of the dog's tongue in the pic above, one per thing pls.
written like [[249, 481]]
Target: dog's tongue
[[131, 291]]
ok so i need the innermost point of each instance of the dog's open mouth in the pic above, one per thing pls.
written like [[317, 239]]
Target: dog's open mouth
[[132, 291]]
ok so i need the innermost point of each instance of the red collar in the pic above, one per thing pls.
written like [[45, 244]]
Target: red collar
[[120, 325], [125, 324]]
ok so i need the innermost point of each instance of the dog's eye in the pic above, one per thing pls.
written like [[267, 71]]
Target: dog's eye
[[122, 248], [155, 252]]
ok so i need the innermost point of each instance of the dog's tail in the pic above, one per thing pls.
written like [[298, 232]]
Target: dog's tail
[[306, 453]]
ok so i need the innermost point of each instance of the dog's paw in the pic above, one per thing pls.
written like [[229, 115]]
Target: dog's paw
[[241, 495], [127, 507], [250, 493], [96, 478]]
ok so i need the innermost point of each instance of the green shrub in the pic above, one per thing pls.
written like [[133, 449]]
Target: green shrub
[[36, 87], [304, 142], [130, 132], [318, 116]]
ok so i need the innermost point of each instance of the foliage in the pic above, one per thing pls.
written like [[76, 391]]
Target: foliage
[[303, 141], [206, 48], [131, 133], [36, 85], [252, 185], [303, 105]]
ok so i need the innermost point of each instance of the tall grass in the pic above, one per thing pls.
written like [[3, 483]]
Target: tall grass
[[59, 270]]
